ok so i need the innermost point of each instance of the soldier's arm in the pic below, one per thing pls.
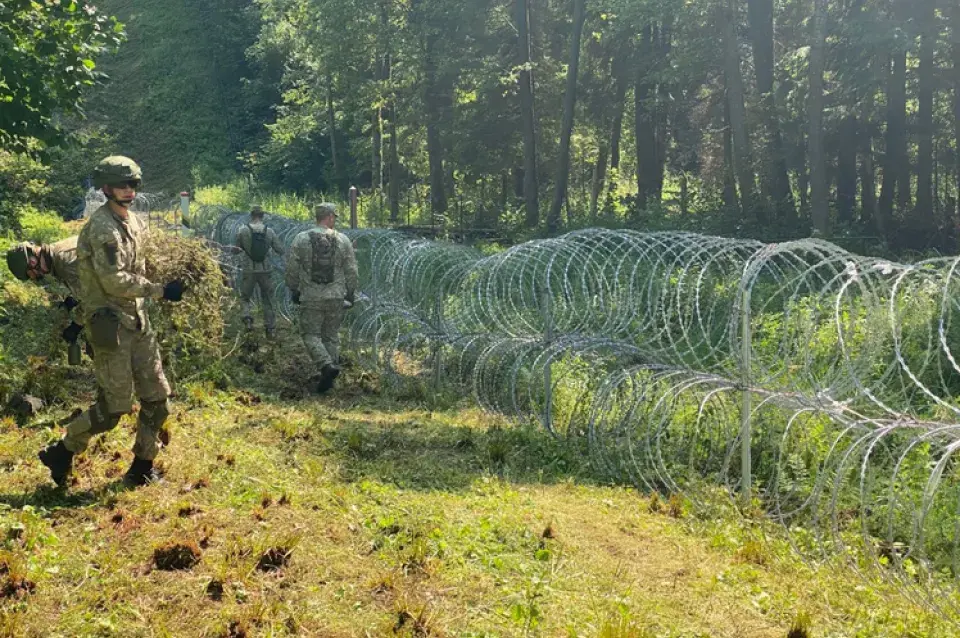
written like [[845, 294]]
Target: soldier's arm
[[350, 266], [114, 281], [242, 241], [292, 270], [275, 242]]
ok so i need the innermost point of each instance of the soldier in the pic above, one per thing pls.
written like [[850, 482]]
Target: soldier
[[113, 288], [32, 262], [322, 276], [255, 241]]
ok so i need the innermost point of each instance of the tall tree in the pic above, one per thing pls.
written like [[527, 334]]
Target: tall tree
[[738, 111], [644, 120], [332, 132], [847, 168], [531, 185], [928, 25], [775, 181], [48, 54], [955, 37], [433, 101], [895, 162], [566, 127], [819, 196]]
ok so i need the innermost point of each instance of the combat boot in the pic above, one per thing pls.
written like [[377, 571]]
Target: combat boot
[[59, 460], [140, 473], [328, 374]]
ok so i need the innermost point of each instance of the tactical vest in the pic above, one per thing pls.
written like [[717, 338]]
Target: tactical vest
[[323, 253], [258, 245]]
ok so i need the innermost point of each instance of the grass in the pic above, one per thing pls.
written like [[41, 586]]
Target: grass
[[360, 514], [382, 509]]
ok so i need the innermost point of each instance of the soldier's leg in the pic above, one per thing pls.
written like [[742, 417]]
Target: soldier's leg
[[330, 329], [112, 369], [265, 283], [311, 324], [153, 390], [114, 399], [247, 283]]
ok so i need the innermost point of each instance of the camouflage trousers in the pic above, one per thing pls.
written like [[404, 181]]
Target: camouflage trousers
[[134, 366], [264, 282], [320, 329]]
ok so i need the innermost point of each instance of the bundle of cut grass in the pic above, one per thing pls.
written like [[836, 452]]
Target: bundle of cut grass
[[190, 332]]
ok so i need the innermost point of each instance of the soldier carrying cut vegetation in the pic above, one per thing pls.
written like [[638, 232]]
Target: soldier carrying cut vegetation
[[321, 273], [113, 289], [32, 262], [255, 241]]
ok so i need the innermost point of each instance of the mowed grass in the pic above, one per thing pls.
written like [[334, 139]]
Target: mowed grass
[[367, 513]]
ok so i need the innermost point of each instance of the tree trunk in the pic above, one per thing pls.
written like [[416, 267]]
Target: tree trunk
[[531, 186], [955, 34], [646, 135], [332, 129], [566, 127], [847, 169], [599, 178], [432, 107], [819, 193], [661, 108], [730, 200], [924, 210], [738, 112], [775, 178], [617, 132], [393, 157], [377, 179], [868, 180], [895, 151]]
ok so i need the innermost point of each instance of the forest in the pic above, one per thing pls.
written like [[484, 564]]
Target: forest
[[749, 118]]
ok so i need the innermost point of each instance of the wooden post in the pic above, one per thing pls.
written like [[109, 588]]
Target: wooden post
[[353, 207]]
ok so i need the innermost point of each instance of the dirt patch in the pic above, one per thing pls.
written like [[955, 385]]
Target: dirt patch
[[175, 556], [274, 559]]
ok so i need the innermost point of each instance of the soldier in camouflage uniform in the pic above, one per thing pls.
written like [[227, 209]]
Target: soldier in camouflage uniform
[[321, 273], [254, 242], [113, 288], [32, 262]]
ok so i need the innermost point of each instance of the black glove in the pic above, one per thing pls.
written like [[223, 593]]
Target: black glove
[[72, 332], [173, 291], [69, 304], [295, 296], [349, 298]]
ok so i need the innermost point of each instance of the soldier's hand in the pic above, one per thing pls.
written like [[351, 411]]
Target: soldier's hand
[[69, 303], [173, 291], [72, 332], [295, 296]]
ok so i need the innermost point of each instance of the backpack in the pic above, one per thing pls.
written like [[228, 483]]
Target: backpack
[[323, 257], [258, 245]]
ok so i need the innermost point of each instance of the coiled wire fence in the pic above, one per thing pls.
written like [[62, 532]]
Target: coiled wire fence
[[815, 383]]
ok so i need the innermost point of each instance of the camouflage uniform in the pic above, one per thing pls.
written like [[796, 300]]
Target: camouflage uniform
[[62, 257], [113, 289], [257, 275], [321, 305]]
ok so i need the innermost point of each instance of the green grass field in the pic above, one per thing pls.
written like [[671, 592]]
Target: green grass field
[[367, 513]]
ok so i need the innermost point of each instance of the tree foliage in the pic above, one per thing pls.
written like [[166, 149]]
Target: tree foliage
[[48, 53]]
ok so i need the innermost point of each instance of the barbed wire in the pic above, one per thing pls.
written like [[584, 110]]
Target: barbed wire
[[648, 346]]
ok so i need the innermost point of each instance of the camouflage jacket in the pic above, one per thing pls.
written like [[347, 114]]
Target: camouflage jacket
[[244, 236], [299, 268], [62, 257], [112, 267]]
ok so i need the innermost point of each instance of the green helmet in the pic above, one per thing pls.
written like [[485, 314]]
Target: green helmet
[[116, 170], [18, 261]]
